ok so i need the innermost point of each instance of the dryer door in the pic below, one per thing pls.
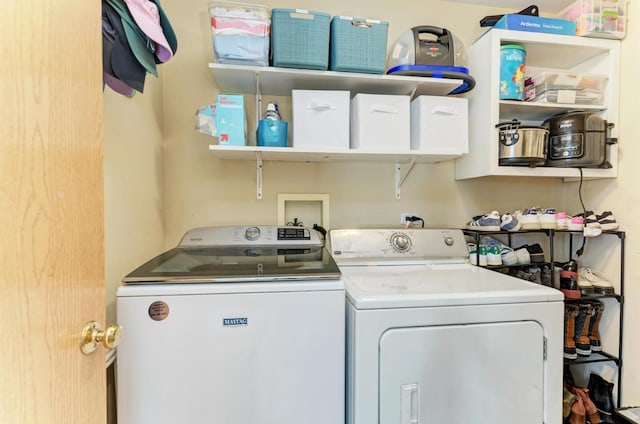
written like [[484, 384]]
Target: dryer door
[[460, 374]]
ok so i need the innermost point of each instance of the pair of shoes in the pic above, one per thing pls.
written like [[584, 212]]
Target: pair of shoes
[[605, 221], [534, 251], [592, 282], [537, 218], [522, 256], [581, 328], [587, 411]]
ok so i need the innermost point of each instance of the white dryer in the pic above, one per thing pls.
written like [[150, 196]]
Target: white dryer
[[434, 339]]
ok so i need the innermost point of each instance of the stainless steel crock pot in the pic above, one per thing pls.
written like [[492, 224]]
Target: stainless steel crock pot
[[522, 145], [578, 139]]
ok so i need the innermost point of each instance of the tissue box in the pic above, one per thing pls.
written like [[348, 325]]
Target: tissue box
[[439, 125], [321, 119], [230, 120], [536, 24], [380, 122]]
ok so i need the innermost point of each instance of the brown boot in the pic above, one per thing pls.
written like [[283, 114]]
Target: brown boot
[[590, 408], [578, 414]]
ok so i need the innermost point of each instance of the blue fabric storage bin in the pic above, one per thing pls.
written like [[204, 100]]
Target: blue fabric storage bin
[[358, 45], [300, 39], [272, 133]]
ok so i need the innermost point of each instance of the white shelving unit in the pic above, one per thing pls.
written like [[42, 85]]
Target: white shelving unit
[[260, 81], [560, 52]]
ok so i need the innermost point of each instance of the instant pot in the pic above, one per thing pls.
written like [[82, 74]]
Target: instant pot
[[578, 139], [522, 145]]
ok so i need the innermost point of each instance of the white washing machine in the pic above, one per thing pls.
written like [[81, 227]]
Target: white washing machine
[[235, 325], [434, 339]]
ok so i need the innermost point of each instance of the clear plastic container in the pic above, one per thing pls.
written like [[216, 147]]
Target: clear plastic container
[[598, 18], [569, 87], [240, 33]]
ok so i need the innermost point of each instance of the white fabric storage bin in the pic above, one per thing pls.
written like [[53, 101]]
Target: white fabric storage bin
[[320, 119], [440, 125], [380, 122]]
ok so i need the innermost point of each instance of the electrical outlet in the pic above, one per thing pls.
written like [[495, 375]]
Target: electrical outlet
[[405, 215]]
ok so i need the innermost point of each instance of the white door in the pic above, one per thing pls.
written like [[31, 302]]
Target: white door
[[461, 374], [51, 211]]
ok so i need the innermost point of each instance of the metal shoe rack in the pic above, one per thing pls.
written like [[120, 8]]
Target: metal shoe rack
[[575, 237]]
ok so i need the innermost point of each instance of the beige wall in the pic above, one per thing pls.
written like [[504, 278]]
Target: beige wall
[[185, 185], [133, 182]]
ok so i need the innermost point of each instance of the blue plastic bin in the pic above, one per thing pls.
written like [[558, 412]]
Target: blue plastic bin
[[358, 45], [300, 39], [272, 133]]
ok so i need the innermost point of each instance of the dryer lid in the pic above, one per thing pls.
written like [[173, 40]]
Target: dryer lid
[[411, 286]]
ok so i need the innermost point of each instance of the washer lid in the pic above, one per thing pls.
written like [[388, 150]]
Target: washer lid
[[411, 286]]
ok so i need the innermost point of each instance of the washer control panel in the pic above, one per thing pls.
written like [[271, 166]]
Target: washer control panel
[[258, 235], [406, 244]]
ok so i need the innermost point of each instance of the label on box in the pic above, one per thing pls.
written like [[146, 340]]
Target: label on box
[[536, 24]]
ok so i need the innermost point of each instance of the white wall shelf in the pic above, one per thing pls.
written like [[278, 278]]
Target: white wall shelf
[[280, 81], [548, 51]]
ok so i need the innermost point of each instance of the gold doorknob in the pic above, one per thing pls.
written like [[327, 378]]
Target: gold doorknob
[[93, 335]]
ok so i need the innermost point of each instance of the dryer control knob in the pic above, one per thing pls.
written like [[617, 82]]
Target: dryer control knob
[[252, 233], [400, 242], [448, 241]]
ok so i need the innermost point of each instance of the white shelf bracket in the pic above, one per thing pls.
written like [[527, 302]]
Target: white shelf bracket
[[400, 178], [259, 175], [258, 98]]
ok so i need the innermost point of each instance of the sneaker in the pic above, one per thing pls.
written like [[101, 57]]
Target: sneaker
[[589, 219], [482, 255], [510, 222], [508, 256], [494, 255], [607, 221], [584, 285], [473, 253], [562, 221], [536, 254], [530, 219], [599, 283], [548, 219], [487, 222], [576, 223], [522, 254]]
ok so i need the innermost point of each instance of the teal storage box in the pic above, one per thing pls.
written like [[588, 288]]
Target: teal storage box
[[358, 45], [272, 133], [300, 39], [536, 24]]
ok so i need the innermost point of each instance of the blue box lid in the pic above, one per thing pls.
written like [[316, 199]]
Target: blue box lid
[[536, 24]]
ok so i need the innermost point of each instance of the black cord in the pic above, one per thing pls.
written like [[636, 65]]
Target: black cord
[[580, 251]]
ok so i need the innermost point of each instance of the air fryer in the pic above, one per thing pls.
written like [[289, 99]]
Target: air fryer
[[578, 139]]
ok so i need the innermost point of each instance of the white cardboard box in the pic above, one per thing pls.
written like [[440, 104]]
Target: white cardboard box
[[380, 122], [320, 119], [440, 124]]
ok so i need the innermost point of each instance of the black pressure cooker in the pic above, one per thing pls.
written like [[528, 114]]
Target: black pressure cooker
[[578, 139]]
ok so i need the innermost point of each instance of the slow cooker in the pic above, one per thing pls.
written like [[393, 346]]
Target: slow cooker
[[521, 145], [578, 139]]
